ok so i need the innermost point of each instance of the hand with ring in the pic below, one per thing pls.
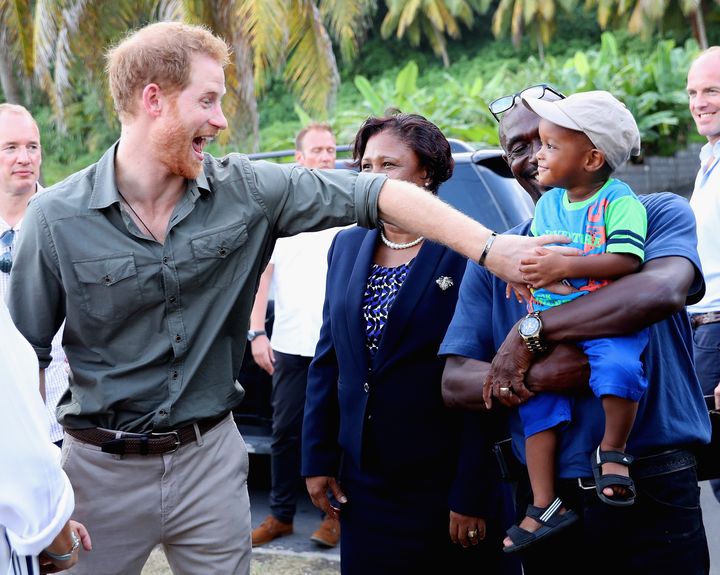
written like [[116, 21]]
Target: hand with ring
[[465, 530]]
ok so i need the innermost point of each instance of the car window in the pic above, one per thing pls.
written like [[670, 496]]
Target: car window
[[497, 202]]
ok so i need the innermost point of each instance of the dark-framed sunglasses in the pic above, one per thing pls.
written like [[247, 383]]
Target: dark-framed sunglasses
[[504, 103], [6, 240]]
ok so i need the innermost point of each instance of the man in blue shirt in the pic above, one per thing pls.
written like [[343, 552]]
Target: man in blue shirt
[[663, 531]]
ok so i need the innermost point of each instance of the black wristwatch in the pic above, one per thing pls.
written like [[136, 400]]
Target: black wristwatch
[[253, 333], [530, 329]]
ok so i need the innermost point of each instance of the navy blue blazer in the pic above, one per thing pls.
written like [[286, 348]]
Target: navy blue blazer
[[394, 402]]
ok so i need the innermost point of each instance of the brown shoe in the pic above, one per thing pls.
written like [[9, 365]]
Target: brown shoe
[[270, 529], [328, 534]]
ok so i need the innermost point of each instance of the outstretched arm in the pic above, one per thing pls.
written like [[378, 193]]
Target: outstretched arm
[[415, 210]]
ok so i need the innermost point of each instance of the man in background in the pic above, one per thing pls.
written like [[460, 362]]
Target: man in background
[[297, 272], [703, 87], [20, 159]]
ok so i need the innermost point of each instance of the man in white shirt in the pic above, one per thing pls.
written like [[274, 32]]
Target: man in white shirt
[[703, 87], [297, 270], [20, 159]]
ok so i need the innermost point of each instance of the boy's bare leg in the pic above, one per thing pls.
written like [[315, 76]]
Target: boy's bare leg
[[540, 453], [619, 418]]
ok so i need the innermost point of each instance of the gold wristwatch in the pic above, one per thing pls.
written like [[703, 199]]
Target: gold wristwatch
[[530, 329]]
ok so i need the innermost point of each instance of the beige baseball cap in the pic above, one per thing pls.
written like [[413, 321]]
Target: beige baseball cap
[[600, 116]]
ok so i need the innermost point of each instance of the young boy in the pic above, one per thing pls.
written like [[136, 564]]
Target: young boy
[[585, 137]]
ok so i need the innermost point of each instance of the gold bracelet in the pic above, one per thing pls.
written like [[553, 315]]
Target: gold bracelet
[[486, 249]]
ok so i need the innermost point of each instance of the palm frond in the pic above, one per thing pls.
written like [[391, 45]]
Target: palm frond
[[311, 70], [348, 22]]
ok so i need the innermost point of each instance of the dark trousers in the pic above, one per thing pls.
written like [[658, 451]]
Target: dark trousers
[[661, 534], [706, 345], [288, 401]]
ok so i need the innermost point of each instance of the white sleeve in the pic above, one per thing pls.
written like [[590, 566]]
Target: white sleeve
[[36, 498]]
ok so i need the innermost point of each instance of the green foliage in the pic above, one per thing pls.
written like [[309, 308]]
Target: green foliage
[[84, 140], [650, 82], [650, 79]]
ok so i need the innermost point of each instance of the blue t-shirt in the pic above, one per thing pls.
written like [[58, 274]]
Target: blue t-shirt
[[672, 412]]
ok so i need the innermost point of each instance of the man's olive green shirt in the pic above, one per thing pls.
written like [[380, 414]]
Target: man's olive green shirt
[[154, 333]]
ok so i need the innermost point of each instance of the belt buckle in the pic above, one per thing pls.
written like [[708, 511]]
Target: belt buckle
[[174, 433]]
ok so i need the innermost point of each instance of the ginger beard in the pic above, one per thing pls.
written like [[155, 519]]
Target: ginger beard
[[177, 147]]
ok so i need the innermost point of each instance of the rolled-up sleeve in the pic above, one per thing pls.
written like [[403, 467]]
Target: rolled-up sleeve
[[298, 199]]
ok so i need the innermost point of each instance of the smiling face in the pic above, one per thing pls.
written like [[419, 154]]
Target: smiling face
[[703, 88], [20, 155], [563, 156], [192, 118], [386, 153], [520, 140]]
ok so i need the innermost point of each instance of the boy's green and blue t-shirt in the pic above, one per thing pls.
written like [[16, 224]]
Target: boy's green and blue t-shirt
[[613, 220]]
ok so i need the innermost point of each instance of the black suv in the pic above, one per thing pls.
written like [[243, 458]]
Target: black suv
[[481, 186]]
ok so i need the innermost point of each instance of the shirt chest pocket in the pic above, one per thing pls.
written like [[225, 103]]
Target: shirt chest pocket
[[109, 285], [219, 255]]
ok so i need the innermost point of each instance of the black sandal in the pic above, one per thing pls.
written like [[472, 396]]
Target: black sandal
[[551, 522], [603, 481]]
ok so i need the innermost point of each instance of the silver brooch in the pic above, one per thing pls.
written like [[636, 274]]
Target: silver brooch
[[444, 282]]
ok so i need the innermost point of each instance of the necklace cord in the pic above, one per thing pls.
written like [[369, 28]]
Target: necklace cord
[[147, 229]]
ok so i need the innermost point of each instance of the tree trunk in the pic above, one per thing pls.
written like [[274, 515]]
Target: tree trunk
[[7, 77], [699, 27], [246, 130], [540, 46]]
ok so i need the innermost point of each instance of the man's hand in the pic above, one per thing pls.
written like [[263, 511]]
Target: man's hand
[[506, 379], [462, 526], [61, 544], [318, 488], [508, 251], [716, 393], [262, 353]]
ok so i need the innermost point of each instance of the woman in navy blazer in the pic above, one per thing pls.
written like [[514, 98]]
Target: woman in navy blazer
[[414, 488]]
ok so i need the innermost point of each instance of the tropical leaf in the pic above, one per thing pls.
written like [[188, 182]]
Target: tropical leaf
[[348, 22]]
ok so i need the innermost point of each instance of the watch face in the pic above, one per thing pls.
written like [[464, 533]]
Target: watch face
[[529, 326]]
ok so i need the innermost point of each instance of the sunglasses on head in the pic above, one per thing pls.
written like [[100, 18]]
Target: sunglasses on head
[[504, 103], [6, 240]]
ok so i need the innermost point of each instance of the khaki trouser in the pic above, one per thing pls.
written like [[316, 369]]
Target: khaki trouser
[[193, 501]]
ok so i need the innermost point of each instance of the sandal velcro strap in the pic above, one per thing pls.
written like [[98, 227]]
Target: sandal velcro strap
[[613, 457]]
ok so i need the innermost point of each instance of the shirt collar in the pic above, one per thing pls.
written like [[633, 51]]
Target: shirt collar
[[709, 150], [105, 191]]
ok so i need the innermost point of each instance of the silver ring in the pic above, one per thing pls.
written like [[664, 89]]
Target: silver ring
[[505, 390], [472, 533]]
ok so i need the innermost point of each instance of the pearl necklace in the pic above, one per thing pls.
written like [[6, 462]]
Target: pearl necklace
[[394, 246]]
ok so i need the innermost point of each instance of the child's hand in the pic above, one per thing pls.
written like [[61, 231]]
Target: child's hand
[[545, 268], [520, 291]]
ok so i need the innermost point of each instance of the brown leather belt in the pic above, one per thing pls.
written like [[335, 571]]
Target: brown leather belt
[[143, 443], [697, 319]]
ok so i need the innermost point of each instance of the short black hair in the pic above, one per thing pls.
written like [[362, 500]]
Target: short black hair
[[420, 135]]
